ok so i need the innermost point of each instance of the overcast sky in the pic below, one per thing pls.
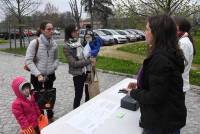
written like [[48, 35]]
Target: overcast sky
[[62, 5]]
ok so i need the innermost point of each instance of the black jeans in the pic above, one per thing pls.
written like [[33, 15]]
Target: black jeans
[[78, 85], [48, 84]]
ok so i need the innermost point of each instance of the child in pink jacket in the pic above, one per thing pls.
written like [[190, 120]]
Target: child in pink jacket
[[24, 107]]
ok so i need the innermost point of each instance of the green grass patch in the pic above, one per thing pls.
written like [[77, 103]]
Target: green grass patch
[[117, 65], [194, 77], [139, 48], [3, 41], [62, 57], [196, 59], [20, 51]]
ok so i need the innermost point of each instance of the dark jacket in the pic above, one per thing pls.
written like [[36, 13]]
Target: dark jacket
[[75, 65], [161, 97]]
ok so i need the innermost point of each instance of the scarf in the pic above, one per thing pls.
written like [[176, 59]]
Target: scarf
[[76, 43], [182, 34], [45, 41]]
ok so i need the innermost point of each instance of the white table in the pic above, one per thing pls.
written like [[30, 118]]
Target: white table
[[120, 121]]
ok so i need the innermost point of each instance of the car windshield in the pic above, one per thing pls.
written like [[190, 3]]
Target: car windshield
[[141, 32], [122, 32], [114, 32], [132, 32], [100, 33]]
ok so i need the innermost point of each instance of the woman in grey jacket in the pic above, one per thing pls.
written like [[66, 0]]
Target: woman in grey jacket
[[43, 70], [73, 51]]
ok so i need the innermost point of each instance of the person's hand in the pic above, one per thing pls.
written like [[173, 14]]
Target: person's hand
[[29, 130], [93, 61], [129, 90], [132, 85], [40, 78]]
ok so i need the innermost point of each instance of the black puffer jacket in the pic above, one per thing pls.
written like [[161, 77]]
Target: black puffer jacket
[[161, 98]]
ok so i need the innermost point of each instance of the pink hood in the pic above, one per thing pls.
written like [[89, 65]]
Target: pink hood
[[25, 111], [17, 83]]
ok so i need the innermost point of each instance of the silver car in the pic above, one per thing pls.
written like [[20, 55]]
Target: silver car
[[129, 36], [117, 37], [107, 39]]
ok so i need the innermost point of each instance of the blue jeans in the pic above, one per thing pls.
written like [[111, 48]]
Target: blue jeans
[[155, 131]]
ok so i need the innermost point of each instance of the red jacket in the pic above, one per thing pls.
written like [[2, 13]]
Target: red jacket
[[25, 111]]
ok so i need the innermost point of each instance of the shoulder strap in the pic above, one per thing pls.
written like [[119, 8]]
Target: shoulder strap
[[37, 46]]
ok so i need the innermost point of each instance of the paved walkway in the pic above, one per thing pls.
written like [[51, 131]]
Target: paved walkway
[[12, 66]]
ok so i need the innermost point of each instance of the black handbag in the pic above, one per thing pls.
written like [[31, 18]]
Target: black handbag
[[46, 98]]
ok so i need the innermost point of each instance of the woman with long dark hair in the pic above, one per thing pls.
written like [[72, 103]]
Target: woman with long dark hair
[[73, 51], [160, 85], [186, 43]]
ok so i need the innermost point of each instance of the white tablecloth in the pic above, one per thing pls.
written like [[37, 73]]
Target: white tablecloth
[[114, 121]]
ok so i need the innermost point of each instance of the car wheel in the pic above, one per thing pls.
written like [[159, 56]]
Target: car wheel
[[116, 41]]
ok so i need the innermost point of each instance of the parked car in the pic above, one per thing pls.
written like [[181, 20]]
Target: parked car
[[56, 32], [139, 37], [33, 31], [117, 37], [28, 33], [140, 32], [107, 39], [130, 37]]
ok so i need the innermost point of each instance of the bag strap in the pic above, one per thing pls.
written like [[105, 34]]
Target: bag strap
[[95, 77], [36, 47]]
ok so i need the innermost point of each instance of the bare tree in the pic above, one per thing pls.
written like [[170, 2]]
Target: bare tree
[[20, 8], [76, 12], [52, 14], [50, 9], [153, 7]]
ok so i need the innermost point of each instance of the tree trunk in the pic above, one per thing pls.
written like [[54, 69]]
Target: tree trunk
[[20, 32], [19, 22], [91, 12]]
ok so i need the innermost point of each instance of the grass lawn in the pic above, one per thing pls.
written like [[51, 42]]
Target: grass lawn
[[194, 77], [3, 41], [20, 51], [116, 65], [197, 45], [141, 49]]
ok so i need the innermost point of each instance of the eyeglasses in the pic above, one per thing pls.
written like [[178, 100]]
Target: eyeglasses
[[49, 29]]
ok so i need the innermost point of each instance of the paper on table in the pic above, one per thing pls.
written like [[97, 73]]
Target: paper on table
[[93, 116]]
